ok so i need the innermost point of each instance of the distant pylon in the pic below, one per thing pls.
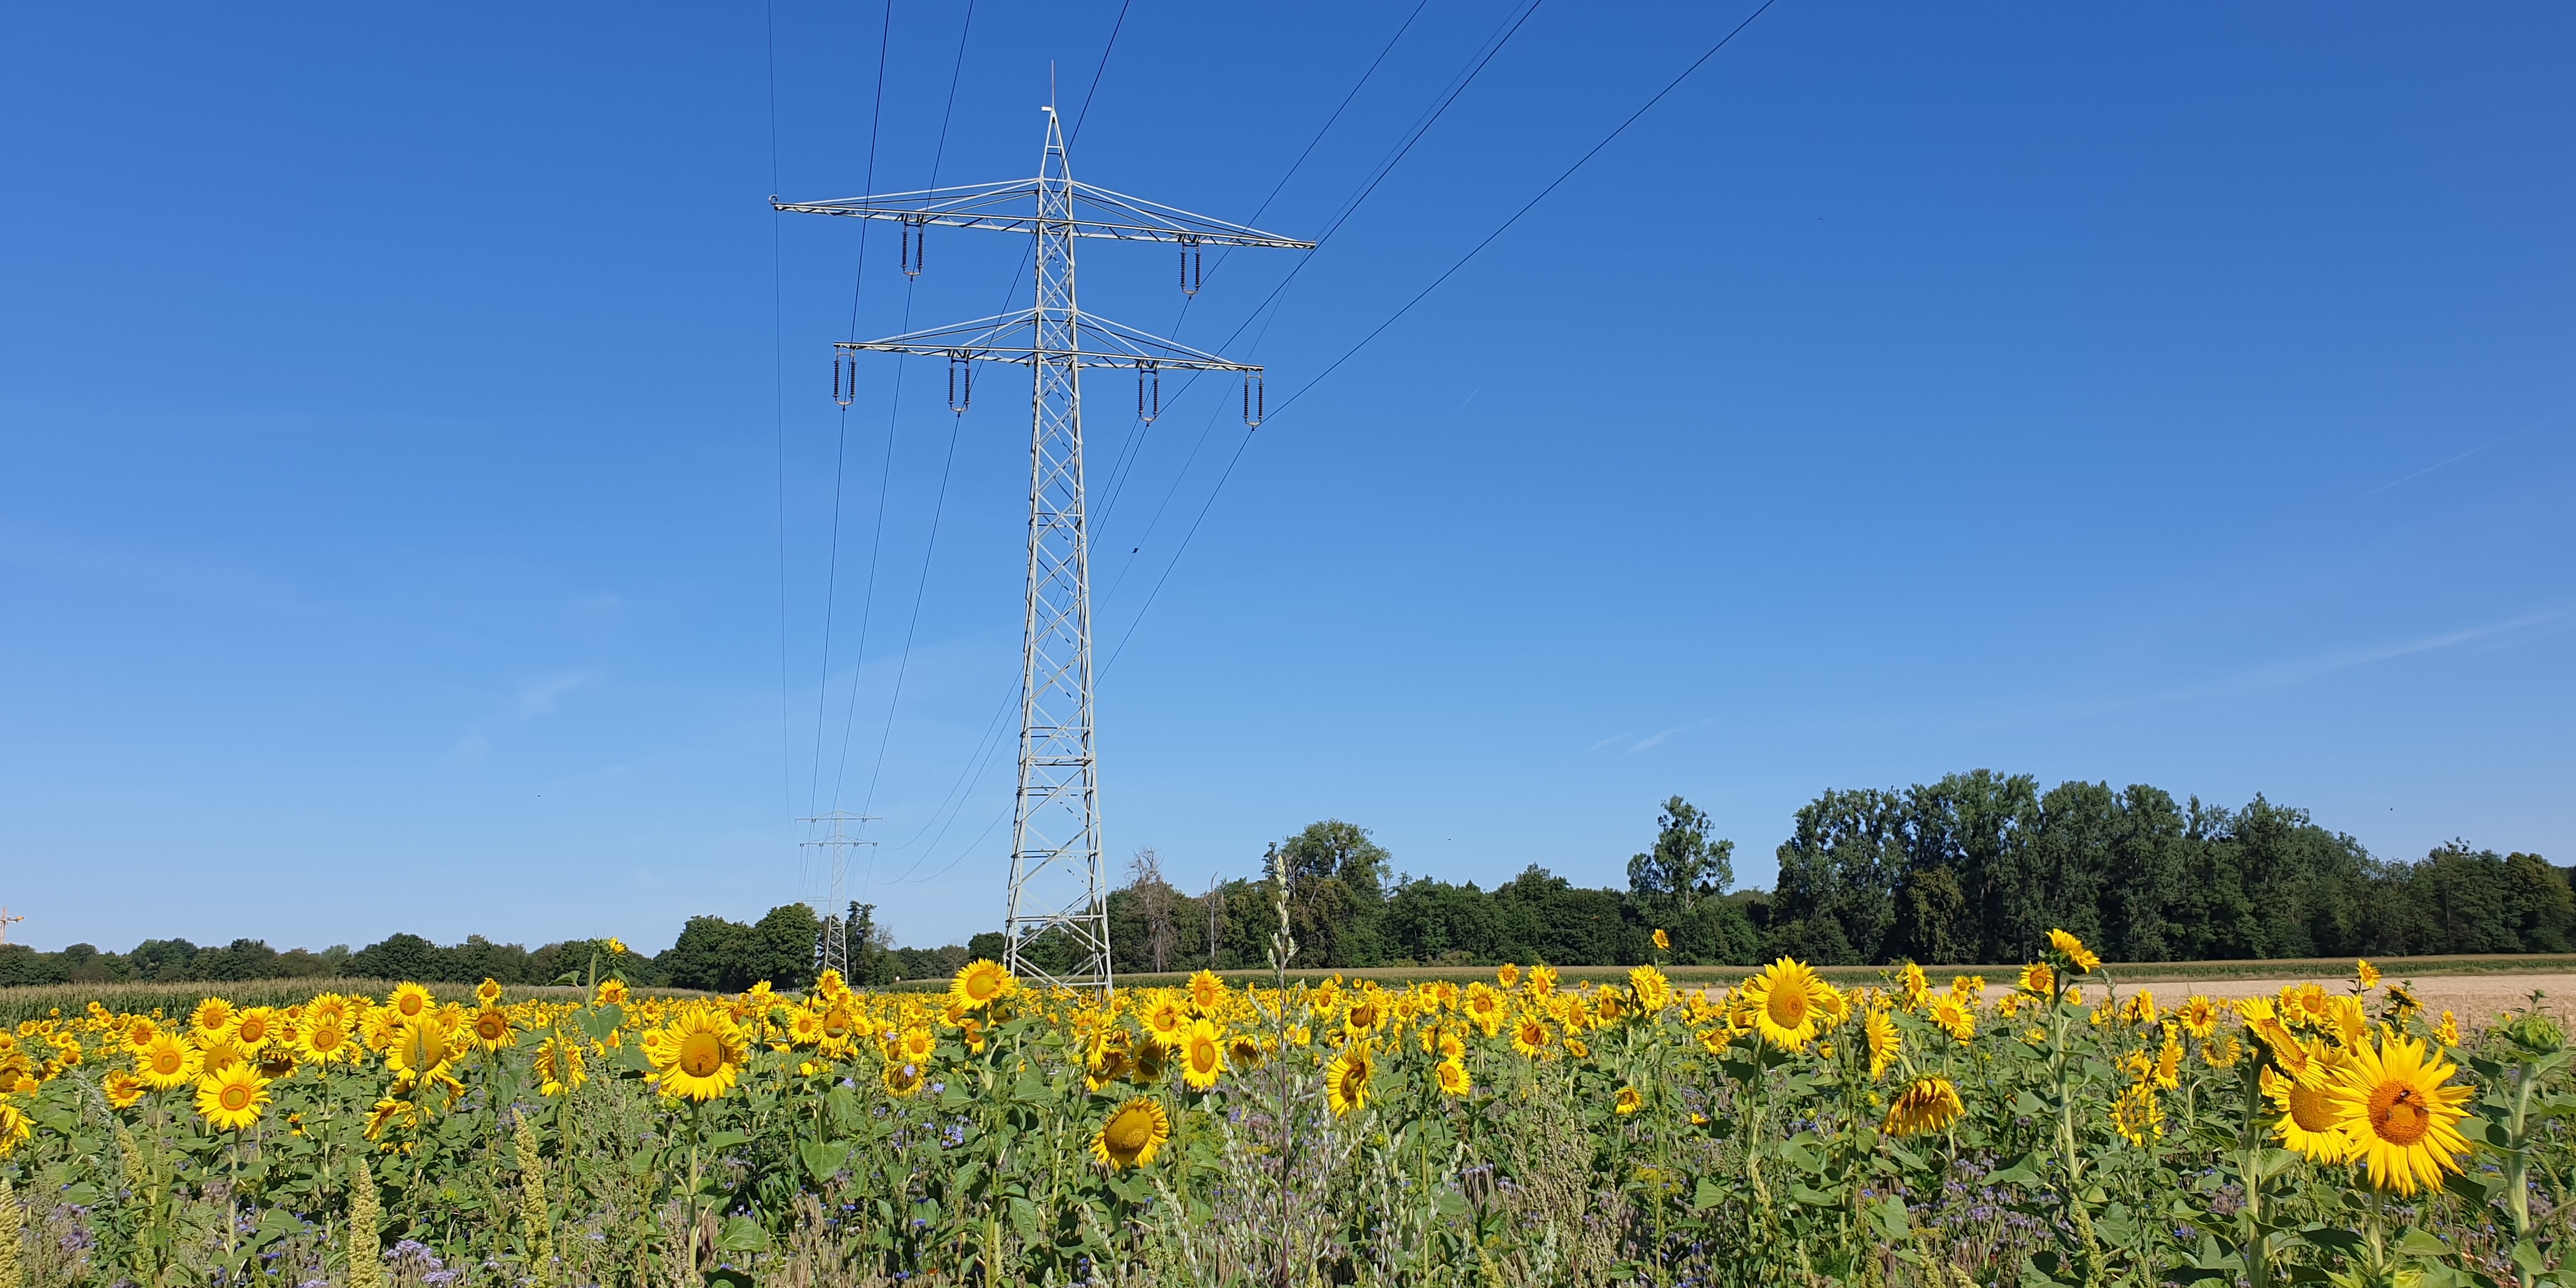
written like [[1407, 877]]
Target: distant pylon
[[833, 953], [1056, 881]]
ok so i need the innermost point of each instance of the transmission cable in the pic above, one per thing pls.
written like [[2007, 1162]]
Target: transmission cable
[[841, 435], [1505, 226]]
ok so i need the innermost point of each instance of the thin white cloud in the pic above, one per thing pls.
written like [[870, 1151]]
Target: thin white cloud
[[2283, 675], [2465, 455]]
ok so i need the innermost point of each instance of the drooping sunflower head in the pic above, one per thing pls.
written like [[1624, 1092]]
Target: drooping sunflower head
[[2138, 1115], [981, 983], [2307, 1122], [1202, 1054], [2083, 959], [1346, 1079], [1451, 1075], [1654, 992], [420, 1047], [1244, 1052], [231, 1099], [1928, 1104], [1885, 1043], [558, 1066], [1607, 1008], [2400, 1111], [1131, 1134], [122, 1089], [902, 1078]]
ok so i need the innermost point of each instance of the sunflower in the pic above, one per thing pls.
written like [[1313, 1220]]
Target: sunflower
[[1663, 942], [1207, 993], [1364, 1018], [698, 1055], [1916, 987], [167, 1061], [1131, 1134], [491, 1030], [1956, 1018], [1653, 991], [2448, 1031], [982, 983], [612, 992], [902, 1078], [1164, 1018], [420, 1048], [218, 1051], [122, 1089], [2199, 1016], [2366, 975], [1202, 1054], [2137, 1115], [1346, 1079], [2307, 1123], [1884, 1042], [1244, 1052], [1451, 1077], [488, 992], [232, 1098], [1542, 979], [2402, 1117], [2038, 979], [1783, 1002], [254, 1028], [387, 1112], [916, 1044], [1485, 1007], [1628, 1101], [211, 1015], [324, 1039], [1530, 1037], [1929, 1104], [15, 1128], [410, 1001], [2084, 959], [558, 1066]]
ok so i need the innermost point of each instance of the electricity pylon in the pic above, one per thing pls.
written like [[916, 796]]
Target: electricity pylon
[[833, 953], [1056, 880]]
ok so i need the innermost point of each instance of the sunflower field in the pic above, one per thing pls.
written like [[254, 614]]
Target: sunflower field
[[2062, 1130]]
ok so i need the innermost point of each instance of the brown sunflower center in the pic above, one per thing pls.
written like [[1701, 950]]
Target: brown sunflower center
[[328, 1037], [1204, 1054], [1130, 1131], [701, 1055], [2398, 1114], [491, 1028], [1787, 1006], [235, 1098], [167, 1060]]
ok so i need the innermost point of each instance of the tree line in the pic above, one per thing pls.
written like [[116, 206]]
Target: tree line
[[1972, 868]]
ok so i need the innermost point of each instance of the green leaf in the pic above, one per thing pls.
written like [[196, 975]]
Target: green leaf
[[2478, 1190], [726, 1139], [1706, 1195], [742, 1234], [2416, 1243], [2024, 1171], [824, 1158]]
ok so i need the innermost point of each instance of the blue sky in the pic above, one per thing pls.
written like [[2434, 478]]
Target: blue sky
[[417, 466]]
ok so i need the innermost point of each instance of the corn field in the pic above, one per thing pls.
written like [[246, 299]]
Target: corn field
[[2065, 1130]]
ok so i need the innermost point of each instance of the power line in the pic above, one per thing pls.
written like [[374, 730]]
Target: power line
[[1097, 73], [1526, 207], [841, 434], [778, 415], [1444, 276]]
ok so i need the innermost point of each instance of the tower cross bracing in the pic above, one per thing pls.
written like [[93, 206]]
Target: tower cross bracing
[[1057, 885]]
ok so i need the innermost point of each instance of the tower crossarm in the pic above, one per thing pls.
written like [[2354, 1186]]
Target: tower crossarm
[[1013, 207], [1014, 337]]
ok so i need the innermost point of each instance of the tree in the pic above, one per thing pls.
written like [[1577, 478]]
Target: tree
[[1154, 897], [1685, 865], [1336, 892], [399, 956]]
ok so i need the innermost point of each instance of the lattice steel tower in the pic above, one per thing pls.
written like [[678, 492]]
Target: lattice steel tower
[[1056, 881]]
